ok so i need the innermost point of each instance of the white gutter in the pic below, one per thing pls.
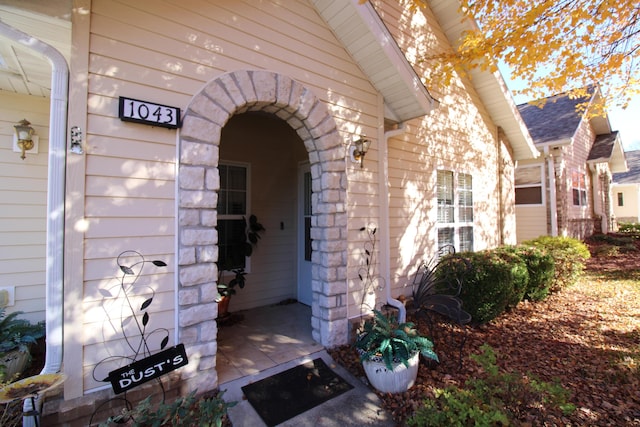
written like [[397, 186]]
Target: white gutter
[[55, 200], [383, 194], [553, 204]]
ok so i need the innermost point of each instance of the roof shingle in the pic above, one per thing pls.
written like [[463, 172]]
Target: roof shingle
[[556, 120], [633, 175]]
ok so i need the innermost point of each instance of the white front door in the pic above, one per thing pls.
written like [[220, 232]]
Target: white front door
[[304, 234]]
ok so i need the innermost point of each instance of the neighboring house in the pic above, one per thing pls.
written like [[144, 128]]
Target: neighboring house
[[273, 97], [566, 191], [625, 188]]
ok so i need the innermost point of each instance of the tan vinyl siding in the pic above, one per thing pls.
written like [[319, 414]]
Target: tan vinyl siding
[[458, 135], [630, 210], [165, 53], [532, 222], [23, 205]]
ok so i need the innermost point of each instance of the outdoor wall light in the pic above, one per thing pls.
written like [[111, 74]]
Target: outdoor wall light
[[358, 149], [24, 138]]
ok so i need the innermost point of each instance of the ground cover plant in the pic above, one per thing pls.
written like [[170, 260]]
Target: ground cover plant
[[581, 344]]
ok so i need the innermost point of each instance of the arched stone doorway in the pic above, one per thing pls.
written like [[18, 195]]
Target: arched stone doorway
[[198, 183]]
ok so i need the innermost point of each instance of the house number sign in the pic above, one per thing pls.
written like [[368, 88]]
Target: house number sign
[[134, 110], [141, 371]]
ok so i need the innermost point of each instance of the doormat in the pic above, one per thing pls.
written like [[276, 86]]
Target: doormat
[[294, 391]]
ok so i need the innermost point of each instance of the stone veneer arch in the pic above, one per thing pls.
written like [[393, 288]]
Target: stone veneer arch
[[198, 183]]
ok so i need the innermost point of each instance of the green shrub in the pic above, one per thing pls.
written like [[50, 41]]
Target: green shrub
[[629, 227], [519, 272], [628, 248], [606, 251], [492, 398], [207, 411], [488, 288], [457, 407], [613, 239], [569, 256], [541, 269]]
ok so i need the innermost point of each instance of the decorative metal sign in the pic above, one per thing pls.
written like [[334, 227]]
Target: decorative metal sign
[[149, 113], [141, 371]]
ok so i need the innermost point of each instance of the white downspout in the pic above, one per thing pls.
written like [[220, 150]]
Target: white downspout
[[383, 193], [55, 201], [553, 203]]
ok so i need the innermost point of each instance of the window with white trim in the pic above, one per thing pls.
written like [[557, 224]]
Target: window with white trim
[[578, 188], [528, 185], [620, 199], [455, 210], [232, 211]]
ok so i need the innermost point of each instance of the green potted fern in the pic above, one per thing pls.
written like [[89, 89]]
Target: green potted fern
[[390, 352], [16, 336]]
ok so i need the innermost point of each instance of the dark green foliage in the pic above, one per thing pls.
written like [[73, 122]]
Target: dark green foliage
[[228, 289], [384, 337], [437, 284], [492, 398], [17, 333], [630, 228], [541, 268], [569, 255], [613, 239], [457, 408], [489, 287], [519, 273], [207, 411]]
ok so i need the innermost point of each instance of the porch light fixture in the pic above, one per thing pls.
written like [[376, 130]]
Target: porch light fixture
[[358, 149], [24, 138]]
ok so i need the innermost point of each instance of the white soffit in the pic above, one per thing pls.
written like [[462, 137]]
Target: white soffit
[[21, 69], [369, 42], [490, 86]]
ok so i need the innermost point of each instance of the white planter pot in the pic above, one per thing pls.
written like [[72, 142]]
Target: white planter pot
[[400, 379], [14, 362]]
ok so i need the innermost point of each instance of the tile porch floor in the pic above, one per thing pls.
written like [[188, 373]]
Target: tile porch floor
[[264, 338]]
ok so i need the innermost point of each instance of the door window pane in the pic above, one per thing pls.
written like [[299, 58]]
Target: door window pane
[[231, 243], [232, 211], [232, 197]]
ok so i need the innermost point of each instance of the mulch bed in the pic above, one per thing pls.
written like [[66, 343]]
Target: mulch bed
[[576, 336]]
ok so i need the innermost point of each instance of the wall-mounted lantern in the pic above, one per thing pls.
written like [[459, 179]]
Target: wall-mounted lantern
[[24, 138], [358, 149]]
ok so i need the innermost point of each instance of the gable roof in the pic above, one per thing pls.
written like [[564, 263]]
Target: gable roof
[[371, 45], [632, 176], [607, 148], [556, 121], [490, 86]]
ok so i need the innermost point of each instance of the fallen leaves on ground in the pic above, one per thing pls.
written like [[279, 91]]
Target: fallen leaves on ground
[[587, 337]]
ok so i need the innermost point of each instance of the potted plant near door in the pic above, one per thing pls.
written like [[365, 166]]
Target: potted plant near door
[[245, 246], [16, 337], [390, 352]]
